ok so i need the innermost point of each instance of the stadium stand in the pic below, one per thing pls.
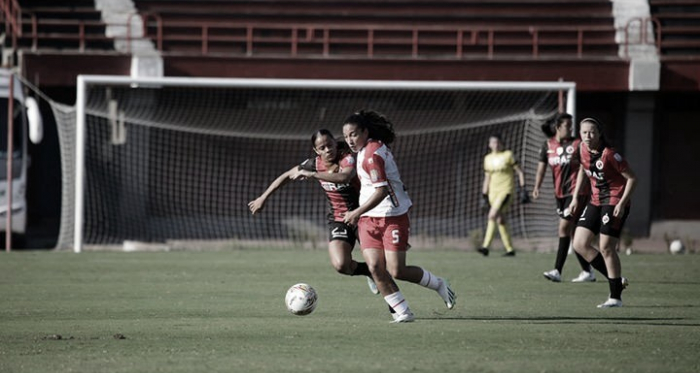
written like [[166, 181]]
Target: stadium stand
[[409, 28], [680, 25]]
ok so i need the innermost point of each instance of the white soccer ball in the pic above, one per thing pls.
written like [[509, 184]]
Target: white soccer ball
[[676, 247], [301, 299]]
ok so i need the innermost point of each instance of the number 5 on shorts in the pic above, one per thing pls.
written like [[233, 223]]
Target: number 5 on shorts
[[395, 236]]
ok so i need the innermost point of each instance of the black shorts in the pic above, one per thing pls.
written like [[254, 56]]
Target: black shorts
[[341, 231], [600, 219], [563, 207]]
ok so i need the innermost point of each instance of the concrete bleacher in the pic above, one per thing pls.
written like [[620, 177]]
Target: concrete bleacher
[[414, 28], [680, 26]]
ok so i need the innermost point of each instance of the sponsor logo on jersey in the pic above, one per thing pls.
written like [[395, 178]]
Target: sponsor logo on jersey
[[599, 164], [596, 175], [332, 187]]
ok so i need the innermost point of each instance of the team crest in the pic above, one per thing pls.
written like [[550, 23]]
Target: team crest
[[560, 150], [606, 219], [599, 164], [569, 149]]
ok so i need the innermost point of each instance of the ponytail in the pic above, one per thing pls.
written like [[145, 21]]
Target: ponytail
[[378, 126]]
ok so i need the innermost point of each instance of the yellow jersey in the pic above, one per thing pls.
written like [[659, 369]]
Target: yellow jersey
[[500, 167]]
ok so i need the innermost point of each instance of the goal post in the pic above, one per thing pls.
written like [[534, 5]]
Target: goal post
[[175, 158]]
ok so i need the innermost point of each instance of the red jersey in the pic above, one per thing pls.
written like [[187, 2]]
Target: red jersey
[[604, 170], [564, 159], [341, 197]]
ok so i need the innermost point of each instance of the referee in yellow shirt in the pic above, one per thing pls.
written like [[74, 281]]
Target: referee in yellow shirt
[[498, 190]]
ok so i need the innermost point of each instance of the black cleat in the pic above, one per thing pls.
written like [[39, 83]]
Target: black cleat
[[484, 251], [509, 253]]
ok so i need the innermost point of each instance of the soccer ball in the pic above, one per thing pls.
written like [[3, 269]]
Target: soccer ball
[[676, 247], [301, 299]]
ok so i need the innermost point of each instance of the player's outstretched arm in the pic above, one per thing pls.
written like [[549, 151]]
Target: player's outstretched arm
[[258, 204]]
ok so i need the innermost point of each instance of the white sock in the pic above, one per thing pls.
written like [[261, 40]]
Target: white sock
[[429, 280], [397, 302]]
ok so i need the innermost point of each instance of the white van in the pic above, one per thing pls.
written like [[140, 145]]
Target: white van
[[27, 125]]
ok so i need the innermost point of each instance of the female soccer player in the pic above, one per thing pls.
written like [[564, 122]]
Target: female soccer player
[[334, 168], [612, 182], [561, 152], [382, 217], [498, 187]]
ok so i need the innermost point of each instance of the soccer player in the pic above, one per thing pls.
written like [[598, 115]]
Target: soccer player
[[334, 168], [561, 152], [612, 182], [382, 217], [498, 188]]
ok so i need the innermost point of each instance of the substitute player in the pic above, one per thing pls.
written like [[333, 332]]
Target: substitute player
[[612, 182], [334, 168], [561, 152], [382, 217], [499, 186]]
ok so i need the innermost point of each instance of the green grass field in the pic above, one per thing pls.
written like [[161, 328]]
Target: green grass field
[[224, 312]]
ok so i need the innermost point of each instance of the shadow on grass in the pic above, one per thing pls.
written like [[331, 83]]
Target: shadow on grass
[[661, 321]]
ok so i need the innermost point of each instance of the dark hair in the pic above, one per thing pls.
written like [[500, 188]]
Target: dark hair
[[378, 126], [599, 126], [550, 128], [319, 133]]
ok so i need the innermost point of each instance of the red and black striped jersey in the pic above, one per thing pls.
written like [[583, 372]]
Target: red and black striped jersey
[[564, 158], [341, 197], [604, 169]]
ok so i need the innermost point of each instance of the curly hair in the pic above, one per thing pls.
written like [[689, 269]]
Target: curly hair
[[378, 126]]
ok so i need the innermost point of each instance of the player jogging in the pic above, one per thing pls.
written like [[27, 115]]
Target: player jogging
[[382, 217], [334, 168], [561, 152], [612, 182], [497, 192]]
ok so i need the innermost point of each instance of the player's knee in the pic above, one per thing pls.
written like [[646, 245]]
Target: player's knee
[[342, 267]]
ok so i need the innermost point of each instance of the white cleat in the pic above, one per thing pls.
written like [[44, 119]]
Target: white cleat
[[585, 276], [447, 294], [553, 275], [610, 303], [372, 286], [408, 316]]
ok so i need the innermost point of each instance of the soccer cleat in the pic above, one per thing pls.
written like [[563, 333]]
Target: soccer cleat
[[372, 285], [447, 294], [610, 303], [509, 253], [407, 316], [553, 275], [484, 251], [585, 276], [625, 283]]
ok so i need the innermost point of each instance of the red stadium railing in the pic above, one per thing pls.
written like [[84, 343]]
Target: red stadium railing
[[330, 41], [12, 15], [409, 41]]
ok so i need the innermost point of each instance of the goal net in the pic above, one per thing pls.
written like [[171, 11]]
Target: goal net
[[175, 161]]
